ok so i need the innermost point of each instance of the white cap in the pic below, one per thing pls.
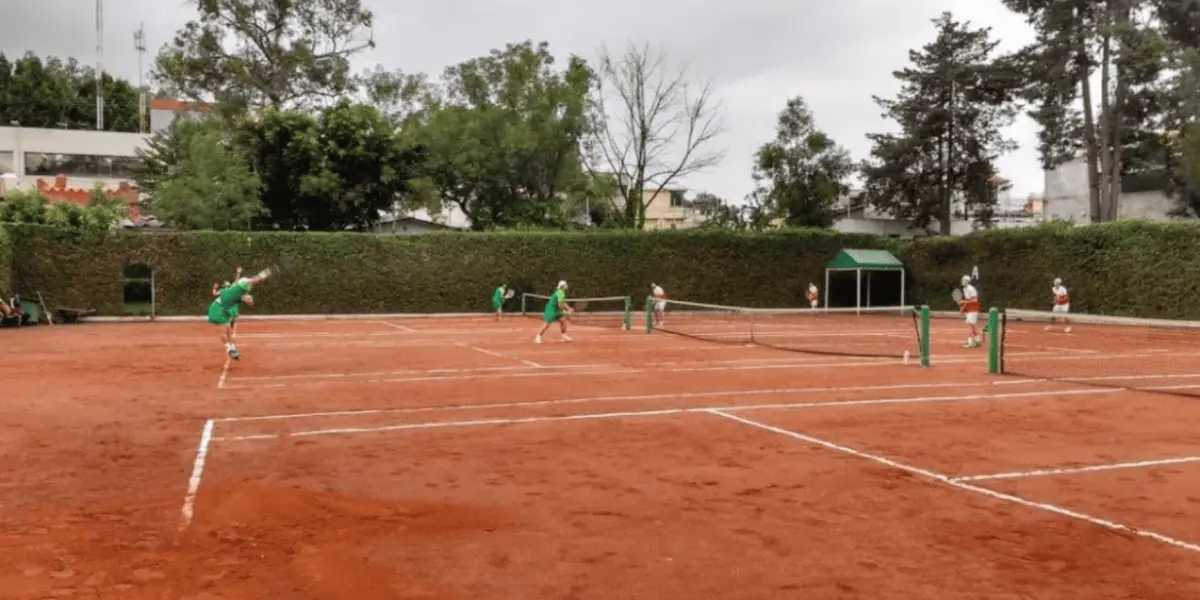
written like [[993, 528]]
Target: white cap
[[562, 285], [966, 279], [1057, 281]]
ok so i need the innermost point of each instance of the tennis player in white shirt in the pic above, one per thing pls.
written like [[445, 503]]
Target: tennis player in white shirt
[[660, 303], [969, 307], [813, 295], [1062, 304]]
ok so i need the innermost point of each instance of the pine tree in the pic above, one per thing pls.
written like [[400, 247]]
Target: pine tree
[[954, 102]]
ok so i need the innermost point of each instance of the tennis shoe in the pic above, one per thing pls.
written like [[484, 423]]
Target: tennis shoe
[[234, 354], [566, 338], [537, 340]]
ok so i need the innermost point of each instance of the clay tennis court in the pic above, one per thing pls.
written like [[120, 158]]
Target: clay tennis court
[[451, 458]]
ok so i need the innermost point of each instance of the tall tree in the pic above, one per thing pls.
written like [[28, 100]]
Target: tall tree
[[336, 171], [802, 173], [955, 100], [396, 94], [651, 126], [52, 93], [502, 142], [283, 54], [1118, 42], [210, 186]]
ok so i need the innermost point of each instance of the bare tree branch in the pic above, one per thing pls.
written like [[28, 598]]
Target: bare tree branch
[[650, 126]]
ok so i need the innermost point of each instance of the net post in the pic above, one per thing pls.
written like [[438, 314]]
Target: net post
[[925, 329], [649, 314], [523, 304], [994, 333], [627, 320]]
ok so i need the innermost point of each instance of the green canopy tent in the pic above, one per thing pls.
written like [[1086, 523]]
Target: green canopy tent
[[860, 261]]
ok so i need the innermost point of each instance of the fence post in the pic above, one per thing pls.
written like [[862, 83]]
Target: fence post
[[926, 330], [649, 314], [994, 335]]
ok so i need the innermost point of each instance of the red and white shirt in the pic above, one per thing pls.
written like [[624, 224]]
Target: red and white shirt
[[1061, 297], [970, 301]]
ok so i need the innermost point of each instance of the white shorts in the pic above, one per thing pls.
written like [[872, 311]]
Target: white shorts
[[660, 305], [813, 303], [1061, 308], [971, 318]]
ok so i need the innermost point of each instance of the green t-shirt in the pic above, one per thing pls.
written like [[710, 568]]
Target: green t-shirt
[[230, 297], [559, 296], [498, 296]]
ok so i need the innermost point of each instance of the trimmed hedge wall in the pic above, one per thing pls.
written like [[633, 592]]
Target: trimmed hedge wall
[[453, 272], [6, 255], [1128, 267]]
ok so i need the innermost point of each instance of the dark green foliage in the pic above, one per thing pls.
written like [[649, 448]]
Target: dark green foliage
[[1134, 268], [6, 255], [1127, 267]]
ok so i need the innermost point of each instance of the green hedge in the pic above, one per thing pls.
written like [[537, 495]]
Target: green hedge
[[6, 255], [1135, 268], [356, 273]]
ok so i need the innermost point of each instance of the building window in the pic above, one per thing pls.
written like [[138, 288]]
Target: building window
[[78, 165], [8, 162], [676, 198]]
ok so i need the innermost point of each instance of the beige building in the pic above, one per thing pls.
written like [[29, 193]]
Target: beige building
[[667, 209]]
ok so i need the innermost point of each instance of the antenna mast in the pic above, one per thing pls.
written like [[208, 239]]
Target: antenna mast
[[99, 65], [139, 44]]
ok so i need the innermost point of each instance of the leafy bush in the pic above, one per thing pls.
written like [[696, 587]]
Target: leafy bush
[[6, 255]]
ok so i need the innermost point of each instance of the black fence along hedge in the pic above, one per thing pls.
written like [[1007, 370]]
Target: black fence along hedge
[[1133, 268]]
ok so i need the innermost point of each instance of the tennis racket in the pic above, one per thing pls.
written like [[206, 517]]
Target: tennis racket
[[957, 294], [509, 294], [282, 265]]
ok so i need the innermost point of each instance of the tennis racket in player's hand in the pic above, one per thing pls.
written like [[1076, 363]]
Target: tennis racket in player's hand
[[509, 294], [957, 294]]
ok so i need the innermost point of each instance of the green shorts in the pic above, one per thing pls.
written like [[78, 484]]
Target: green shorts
[[497, 304], [219, 316], [551, 317]]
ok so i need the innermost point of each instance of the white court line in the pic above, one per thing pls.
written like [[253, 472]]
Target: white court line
[[627, 398], [1091, 469], [189, 500], [224, 373], [395, 326], [440, 371], [529, 363], [659, 412], [1051, 508]]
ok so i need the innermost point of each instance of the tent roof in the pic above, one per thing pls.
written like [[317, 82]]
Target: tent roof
[[877, 260]]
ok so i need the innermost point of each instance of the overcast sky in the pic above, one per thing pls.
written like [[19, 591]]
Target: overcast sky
[[757, 53]]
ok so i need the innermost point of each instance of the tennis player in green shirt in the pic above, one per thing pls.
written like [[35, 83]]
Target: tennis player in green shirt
[[556, 311], [224, 309], [498, 300]]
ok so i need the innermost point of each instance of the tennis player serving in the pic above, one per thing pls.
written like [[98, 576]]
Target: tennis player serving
[[660, 303], [556, 311], [223, 311], [968, 305], [233, 312], [1062, 305]]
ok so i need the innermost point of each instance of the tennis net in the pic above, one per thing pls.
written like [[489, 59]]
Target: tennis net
[[1154, 355], [607, 311], [883, 332]]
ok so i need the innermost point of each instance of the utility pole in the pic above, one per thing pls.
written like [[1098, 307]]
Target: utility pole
[[139, 44], [99, 65]]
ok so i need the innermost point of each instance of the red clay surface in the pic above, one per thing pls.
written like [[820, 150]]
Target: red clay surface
[[474, 464]]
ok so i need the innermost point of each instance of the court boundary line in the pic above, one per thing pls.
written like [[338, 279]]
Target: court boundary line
[[946, 480], [661, 412], [188, 512], [626, 398], [528, 363], [1140, 464]]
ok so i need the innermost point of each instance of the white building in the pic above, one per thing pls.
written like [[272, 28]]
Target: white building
[[1067, 198]]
